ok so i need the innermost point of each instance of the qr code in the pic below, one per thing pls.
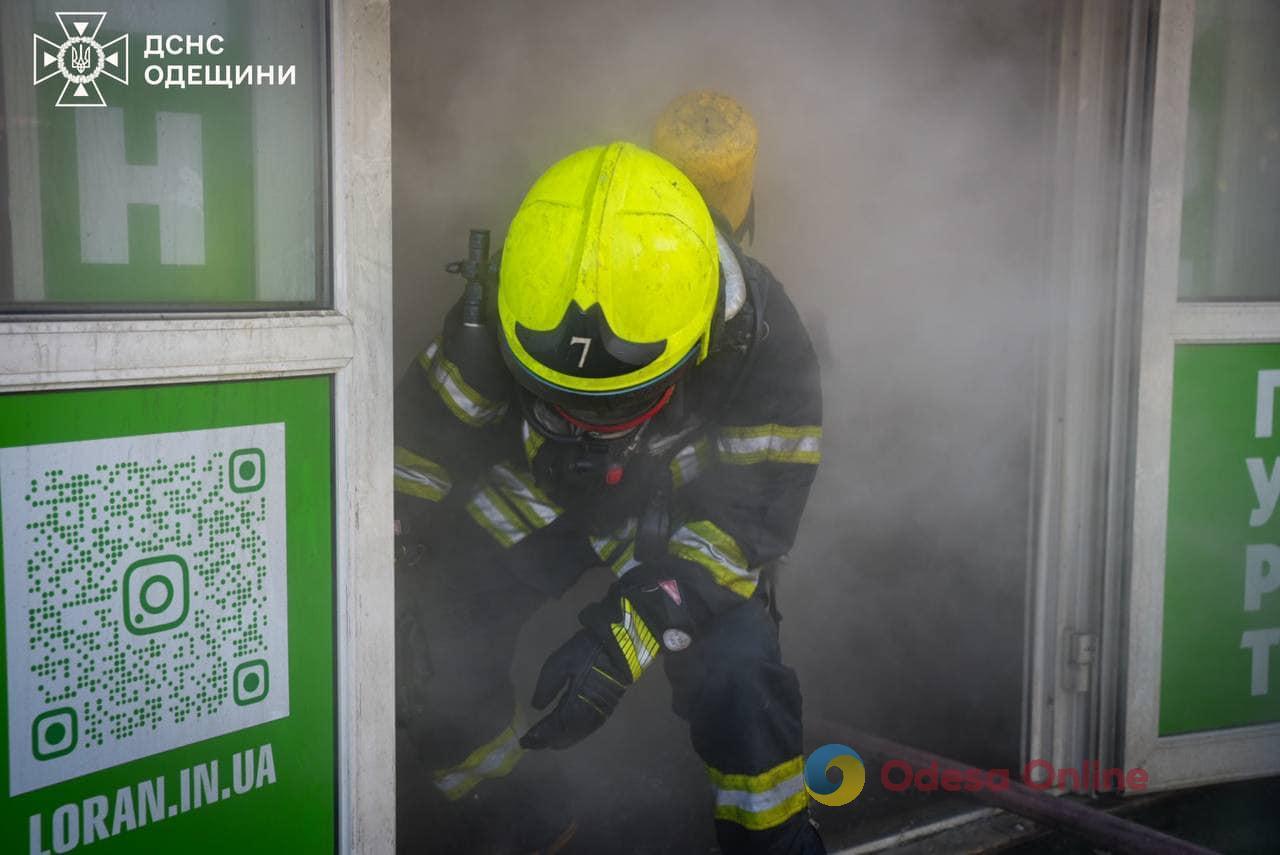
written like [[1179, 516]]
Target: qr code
[[145, 601]]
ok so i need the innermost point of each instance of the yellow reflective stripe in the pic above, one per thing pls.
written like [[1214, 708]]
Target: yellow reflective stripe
[[628, 650], [460, 397], [489, 511], [418, 476], [603, 546], [520, 489], [778, 443], [606, 547], [636, 642], [761, 801], [492, 507], [625, 562], [494, 759], [760, 783], [706, 544], [532, 441], [689, 463]]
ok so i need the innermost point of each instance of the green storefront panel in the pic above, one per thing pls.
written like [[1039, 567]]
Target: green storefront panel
[[169, 618], [1221, 639], [192, 239], [187, 177]]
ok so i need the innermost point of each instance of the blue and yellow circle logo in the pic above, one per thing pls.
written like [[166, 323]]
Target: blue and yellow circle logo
[[853, 775]]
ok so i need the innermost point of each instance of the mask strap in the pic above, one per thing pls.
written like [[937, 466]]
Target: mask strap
[[625, 426]]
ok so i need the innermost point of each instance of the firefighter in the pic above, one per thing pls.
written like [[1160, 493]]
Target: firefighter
[[642, 397]]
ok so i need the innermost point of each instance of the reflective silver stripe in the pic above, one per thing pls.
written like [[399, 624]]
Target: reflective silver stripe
[[643, 641], [626, 562], [763, 801], [418, 476], [781, 443], [771, 445], [522, 492], [692, 536], [606, 547], [424, 478], [603, 546], [687, 464], [648, 645], [532, 441], [492, 760], [704, 543], [490, 763], [465, 402], [506, 528]]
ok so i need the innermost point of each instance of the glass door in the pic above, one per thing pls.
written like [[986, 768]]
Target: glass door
[[1203, 669]]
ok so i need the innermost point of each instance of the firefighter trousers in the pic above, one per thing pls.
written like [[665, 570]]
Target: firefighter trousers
[[461, 786]]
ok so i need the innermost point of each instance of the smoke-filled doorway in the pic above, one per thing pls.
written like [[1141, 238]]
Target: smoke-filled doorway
[[901, 198]]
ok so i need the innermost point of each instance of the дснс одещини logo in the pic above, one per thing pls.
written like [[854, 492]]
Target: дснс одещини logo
[[80, 60]]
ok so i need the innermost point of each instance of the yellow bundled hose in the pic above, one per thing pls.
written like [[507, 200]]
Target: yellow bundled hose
[[712, 139]]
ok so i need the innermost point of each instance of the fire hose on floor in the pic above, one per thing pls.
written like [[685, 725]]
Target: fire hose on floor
[[1091, 824]]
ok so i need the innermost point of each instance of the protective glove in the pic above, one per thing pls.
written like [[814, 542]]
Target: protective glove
[[650, 608], [591, 686]]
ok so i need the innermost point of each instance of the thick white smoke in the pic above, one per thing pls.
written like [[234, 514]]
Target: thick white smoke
[[900, 198]]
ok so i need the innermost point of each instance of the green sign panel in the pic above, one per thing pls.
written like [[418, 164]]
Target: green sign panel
[[1221, 648], [168, 665], [150, 199]]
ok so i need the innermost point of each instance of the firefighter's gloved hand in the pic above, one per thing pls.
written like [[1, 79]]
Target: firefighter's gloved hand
[[591, 688]]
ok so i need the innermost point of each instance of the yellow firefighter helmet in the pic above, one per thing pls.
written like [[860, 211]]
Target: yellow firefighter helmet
[[609, 281]]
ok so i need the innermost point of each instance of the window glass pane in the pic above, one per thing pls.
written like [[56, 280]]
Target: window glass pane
[[124, 193], [1231, 203]]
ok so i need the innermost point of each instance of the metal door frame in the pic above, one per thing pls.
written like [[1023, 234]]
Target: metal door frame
[[1085, 411]]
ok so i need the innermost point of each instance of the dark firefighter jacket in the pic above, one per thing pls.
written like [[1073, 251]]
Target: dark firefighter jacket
[[710, 490]]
